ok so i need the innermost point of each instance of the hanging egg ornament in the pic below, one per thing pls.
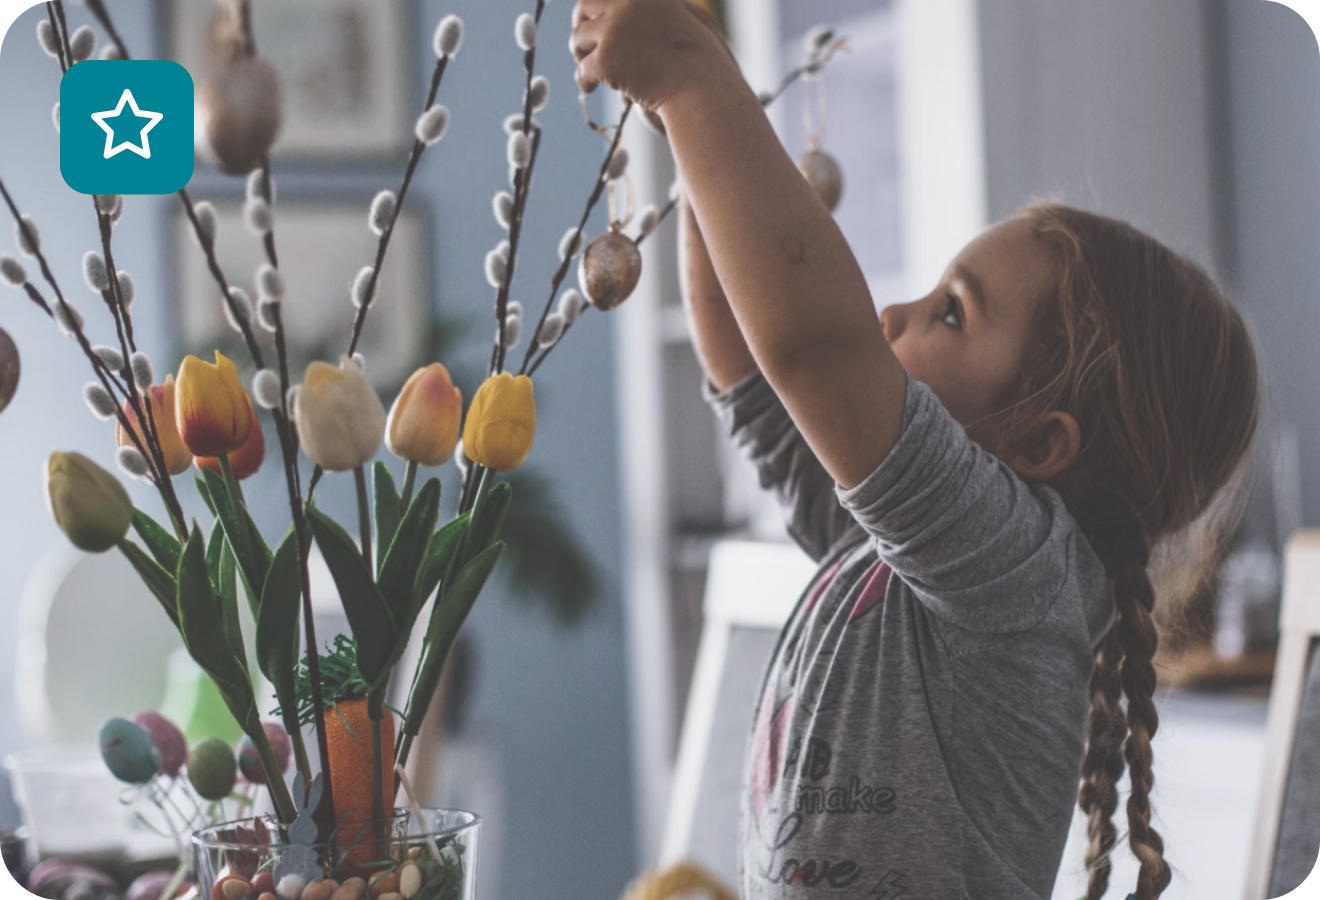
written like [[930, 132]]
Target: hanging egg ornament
[[9, 369], [239, 114], [824, 175], [610, 268]]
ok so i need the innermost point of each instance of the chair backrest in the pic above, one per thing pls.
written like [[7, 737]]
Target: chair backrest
[[93, 643], [1287, 835], [751, 588]]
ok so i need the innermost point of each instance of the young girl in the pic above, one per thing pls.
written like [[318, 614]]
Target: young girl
[[981, 475]]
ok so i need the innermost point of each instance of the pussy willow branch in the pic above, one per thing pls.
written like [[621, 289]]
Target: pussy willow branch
[[596, 193], [61, 41], [114, 301], [418, 148], [767, 100], [521, 186], [522, 183], [97, 9], [293, 483], [109, 380]]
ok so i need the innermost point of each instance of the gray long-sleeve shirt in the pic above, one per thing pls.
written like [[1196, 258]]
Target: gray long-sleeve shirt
[[922, 722]]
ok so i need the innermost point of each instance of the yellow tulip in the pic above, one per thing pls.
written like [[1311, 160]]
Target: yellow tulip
[[501, 423], [211, 408], [423, 423], [161, 397], [341, 421], [89, 504]]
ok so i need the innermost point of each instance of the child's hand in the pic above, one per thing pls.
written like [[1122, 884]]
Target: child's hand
[[649, 50]]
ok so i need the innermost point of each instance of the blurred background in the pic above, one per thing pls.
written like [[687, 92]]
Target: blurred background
[[570, 723]]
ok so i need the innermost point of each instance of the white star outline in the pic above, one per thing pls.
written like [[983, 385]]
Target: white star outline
[[111, 149]]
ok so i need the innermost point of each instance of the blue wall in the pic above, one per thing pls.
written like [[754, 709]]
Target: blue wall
[[551, 699]]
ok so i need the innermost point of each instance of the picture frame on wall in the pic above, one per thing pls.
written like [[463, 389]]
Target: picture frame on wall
[[343, 65], [323, 244]]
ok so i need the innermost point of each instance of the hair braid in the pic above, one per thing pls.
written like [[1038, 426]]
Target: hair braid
[[1103, 766], [1135, 597]]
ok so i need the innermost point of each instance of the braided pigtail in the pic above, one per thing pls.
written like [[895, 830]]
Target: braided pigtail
[[1103, 765], [1139, 638]]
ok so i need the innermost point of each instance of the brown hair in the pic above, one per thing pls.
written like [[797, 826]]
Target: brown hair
[[1157, 367]]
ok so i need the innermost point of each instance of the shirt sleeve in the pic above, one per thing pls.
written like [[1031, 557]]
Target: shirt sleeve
[[762, 431], [978, 546]]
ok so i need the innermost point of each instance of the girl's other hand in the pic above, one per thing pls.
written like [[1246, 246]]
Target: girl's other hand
[[649, 50]]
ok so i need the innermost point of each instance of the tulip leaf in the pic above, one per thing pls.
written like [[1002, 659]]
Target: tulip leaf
[[368, 614], [277, 627], [440, 552], [214, 548], [205, 493], [388, 511], [488, 515], [406, 552], [227, 594], [164, 546], [155, 577], [248, 545], [451, 611], [203, 630]]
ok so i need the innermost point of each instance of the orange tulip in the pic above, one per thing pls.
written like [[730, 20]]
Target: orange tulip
[[161, 397], [212, 409], [501, 423], [423, 423], [246, 460]]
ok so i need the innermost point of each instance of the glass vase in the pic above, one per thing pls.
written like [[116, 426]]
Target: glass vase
[[431, 856]]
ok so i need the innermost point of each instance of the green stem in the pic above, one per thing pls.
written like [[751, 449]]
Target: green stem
[[231, 483], [294, 729], [279, 791], [409, 479], [364, 512], [378, 760]]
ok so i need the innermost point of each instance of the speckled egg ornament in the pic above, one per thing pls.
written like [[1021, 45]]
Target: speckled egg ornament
[[249, 760], [824, 175], [239, 114], [610, 268], [168, 740], [128, 752], [9, 369], [212, 769]]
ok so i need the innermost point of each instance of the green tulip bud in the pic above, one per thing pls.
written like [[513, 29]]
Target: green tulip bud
[[89, 504]]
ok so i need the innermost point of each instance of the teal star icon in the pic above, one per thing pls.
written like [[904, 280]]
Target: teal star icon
[[140, 145], [110, 143]]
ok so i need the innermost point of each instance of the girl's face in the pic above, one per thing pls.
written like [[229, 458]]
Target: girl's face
[[967, 339]]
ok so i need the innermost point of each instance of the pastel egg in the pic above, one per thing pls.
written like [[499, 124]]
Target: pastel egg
[[212, 769], [128, 751]]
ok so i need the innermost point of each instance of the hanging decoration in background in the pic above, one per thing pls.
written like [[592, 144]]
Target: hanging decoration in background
[[9, 369], [819, 168], [239, 103], [611, 267]]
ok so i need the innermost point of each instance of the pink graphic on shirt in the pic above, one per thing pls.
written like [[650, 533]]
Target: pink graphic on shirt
[[823, 581], [873, 590], [769, 743]]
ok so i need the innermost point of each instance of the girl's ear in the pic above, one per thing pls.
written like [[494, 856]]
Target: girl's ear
[[1050, 450]]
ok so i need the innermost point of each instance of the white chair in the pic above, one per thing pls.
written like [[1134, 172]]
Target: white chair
[[92, 643], [1287, 834], [751, 589]]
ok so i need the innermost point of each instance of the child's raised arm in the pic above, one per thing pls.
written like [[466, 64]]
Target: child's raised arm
[[716, 337], [795, 288]]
